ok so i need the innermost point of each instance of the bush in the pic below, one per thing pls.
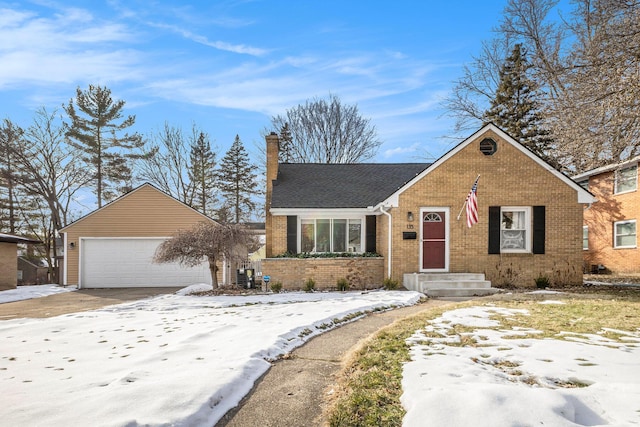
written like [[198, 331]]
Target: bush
[[342, 284], [389, 284], [542, 282], [309, 285], [276, 287]]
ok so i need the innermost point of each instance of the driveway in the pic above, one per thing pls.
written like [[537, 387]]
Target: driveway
[[73, 302]]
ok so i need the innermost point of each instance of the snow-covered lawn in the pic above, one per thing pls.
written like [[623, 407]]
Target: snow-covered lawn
[[170, 360], [29, 292], [584, 380]]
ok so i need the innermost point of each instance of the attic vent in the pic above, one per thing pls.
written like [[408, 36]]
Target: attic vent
[[488, 146]]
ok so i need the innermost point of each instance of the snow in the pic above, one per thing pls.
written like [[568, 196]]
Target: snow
[[519, 382], [174, 360], [29, 292]]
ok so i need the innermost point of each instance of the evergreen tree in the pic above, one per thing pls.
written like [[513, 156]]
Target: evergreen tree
[[286, 144], [94, 131], [202, 174], [10, 136], [515, 108], [237, 182]]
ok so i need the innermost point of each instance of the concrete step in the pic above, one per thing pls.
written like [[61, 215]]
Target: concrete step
[[460, 293], [447, 276], [445, 284]]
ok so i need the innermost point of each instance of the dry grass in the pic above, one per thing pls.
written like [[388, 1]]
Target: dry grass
[[369, 387]]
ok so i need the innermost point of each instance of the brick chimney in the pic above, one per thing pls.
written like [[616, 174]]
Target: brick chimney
[[273, 150]]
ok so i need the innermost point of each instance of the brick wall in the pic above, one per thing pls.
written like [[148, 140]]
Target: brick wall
[[362, 273], [8, 266], [600, 219]]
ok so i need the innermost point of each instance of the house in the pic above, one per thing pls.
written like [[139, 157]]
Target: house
[[610, 240], [9, 259], [114, 246], [529, 218]]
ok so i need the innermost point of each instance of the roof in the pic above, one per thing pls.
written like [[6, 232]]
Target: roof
[[339, 185], [606, 168], [9, 238]]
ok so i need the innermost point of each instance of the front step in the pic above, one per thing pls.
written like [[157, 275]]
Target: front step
[[449, 285]]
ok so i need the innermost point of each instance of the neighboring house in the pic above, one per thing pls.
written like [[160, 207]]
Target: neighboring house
[[610, 239], [9, 259], [529, 225], [114, 245]]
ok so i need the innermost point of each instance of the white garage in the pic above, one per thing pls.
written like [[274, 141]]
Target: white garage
[[128, 262], [113, 246]]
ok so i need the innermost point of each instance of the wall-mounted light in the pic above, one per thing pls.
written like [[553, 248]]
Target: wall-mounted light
[[409, 216], [72, 245]]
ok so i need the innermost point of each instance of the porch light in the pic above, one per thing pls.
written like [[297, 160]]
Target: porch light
[[409, 216]]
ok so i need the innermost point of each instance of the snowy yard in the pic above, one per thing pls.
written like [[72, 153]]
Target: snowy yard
[[170, 360], [514, 379]]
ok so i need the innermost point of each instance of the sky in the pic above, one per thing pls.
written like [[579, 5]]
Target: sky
[[229, 66], [159, 361]]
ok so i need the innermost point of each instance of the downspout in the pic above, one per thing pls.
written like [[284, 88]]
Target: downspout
[[388, 242]]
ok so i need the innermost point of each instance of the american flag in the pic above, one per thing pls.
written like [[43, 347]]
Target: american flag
[[472, 205]]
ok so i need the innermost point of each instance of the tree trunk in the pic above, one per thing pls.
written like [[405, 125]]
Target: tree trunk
[[213, 269]]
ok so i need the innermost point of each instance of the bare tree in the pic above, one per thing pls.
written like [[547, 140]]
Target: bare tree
[[207, 241], [326, 131]]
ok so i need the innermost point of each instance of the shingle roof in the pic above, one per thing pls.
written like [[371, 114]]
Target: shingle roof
[[355, 185]]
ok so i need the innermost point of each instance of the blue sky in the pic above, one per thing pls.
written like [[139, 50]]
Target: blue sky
[[228, 66]]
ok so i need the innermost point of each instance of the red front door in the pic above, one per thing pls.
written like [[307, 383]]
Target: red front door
[[434, 244]]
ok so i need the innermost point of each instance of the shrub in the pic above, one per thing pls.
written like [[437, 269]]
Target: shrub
[[542, 282], [342, 284], [309, 285], [390, 284], [276, 287]]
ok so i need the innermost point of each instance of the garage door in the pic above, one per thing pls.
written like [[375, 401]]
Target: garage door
[[122, 263]]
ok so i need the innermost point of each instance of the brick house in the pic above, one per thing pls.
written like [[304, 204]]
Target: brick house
[[529, 225], [610, 232], [9, 259]]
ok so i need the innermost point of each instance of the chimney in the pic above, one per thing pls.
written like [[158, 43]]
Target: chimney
[[273, 151]]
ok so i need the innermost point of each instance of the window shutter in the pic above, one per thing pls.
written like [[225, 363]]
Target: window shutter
[[292, 234], [538, 229], [371, 233], [494, 229]]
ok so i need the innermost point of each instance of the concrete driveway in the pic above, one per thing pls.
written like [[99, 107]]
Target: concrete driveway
[[76, 301]]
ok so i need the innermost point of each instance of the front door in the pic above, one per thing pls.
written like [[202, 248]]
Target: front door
[[434, 240]]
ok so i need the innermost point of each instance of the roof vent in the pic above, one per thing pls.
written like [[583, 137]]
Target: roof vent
[[488, 146]]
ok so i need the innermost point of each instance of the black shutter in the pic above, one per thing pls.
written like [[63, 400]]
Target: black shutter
[[292, 234], [494, 229], [538, 229], [371, 233]]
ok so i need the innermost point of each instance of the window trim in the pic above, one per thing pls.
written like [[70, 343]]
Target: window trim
[[615, 234], [528, 230], [616, 179], [585, 228]]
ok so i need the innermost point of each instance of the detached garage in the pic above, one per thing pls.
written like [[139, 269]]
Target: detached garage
[[113, 247]]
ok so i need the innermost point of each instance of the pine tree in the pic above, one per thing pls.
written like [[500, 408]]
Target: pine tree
[[202, 174], [515, 108], [10, 136], [237, 182], [93, 130]]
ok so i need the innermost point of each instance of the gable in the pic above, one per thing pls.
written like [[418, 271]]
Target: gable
[[508, 166], [144, 211]]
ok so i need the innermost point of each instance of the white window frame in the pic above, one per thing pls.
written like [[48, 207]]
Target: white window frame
[[349, 218], [585, 237], [527, 231], [615, 234], [634, 179]]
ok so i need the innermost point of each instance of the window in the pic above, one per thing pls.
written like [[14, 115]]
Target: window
[[585, 238], [331, 235], [627, 179], [515, 229], [624, 234]]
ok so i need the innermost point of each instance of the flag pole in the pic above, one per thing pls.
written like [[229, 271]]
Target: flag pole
[[467, 199]]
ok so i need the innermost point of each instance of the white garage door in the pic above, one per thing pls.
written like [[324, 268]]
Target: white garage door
[[123, 263]]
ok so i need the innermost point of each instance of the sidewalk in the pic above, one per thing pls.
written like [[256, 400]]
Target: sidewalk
[[291, 393]]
